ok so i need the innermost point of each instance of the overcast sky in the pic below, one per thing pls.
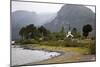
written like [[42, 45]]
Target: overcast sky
[[39, 7]]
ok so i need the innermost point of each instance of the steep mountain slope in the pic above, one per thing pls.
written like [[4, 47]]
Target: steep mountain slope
[[75, 15]]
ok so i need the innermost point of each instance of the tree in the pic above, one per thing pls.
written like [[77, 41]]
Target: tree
[[86, 29], [61, 34], [28, 32], [31, 31], [74, 31], [22, 32], [62, 30], [43, 31]]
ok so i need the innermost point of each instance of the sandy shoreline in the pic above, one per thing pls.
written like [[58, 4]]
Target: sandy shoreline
[[64, 57]]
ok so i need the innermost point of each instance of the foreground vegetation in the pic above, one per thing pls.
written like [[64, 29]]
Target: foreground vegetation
[[86, 45]]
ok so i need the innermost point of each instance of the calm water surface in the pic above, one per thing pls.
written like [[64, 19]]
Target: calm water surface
[[22, 56]]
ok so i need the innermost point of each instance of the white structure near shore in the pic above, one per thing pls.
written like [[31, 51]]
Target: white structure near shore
[[12, 42]]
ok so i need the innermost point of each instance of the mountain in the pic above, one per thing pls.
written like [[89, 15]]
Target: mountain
[[22, 18], [45, 18], [75, 15]]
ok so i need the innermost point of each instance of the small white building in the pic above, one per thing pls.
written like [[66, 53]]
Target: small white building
[[69, 34]]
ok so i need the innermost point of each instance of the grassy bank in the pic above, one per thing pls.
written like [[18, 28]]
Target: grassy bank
[[80, 50], [85, 46]]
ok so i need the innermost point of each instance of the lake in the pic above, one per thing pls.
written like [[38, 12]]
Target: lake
[[22, 56]]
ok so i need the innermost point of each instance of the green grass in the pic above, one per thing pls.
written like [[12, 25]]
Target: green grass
[[85, 46], [29, 41], [80, 50]]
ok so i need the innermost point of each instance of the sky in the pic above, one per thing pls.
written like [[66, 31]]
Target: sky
[[39, 7], [36, 7], [86, 2]]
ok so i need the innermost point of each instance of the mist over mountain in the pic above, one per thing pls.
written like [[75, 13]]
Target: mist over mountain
[[45, 18], [75, 15], [22, 18], [19, 19]]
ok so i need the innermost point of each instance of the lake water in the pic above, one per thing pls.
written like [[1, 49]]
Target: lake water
[[22, 56]]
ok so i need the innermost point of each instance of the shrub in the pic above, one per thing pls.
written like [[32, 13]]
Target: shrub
[[51, 43], [29, 41], [75, 43], [71, 43], [92, 48]]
